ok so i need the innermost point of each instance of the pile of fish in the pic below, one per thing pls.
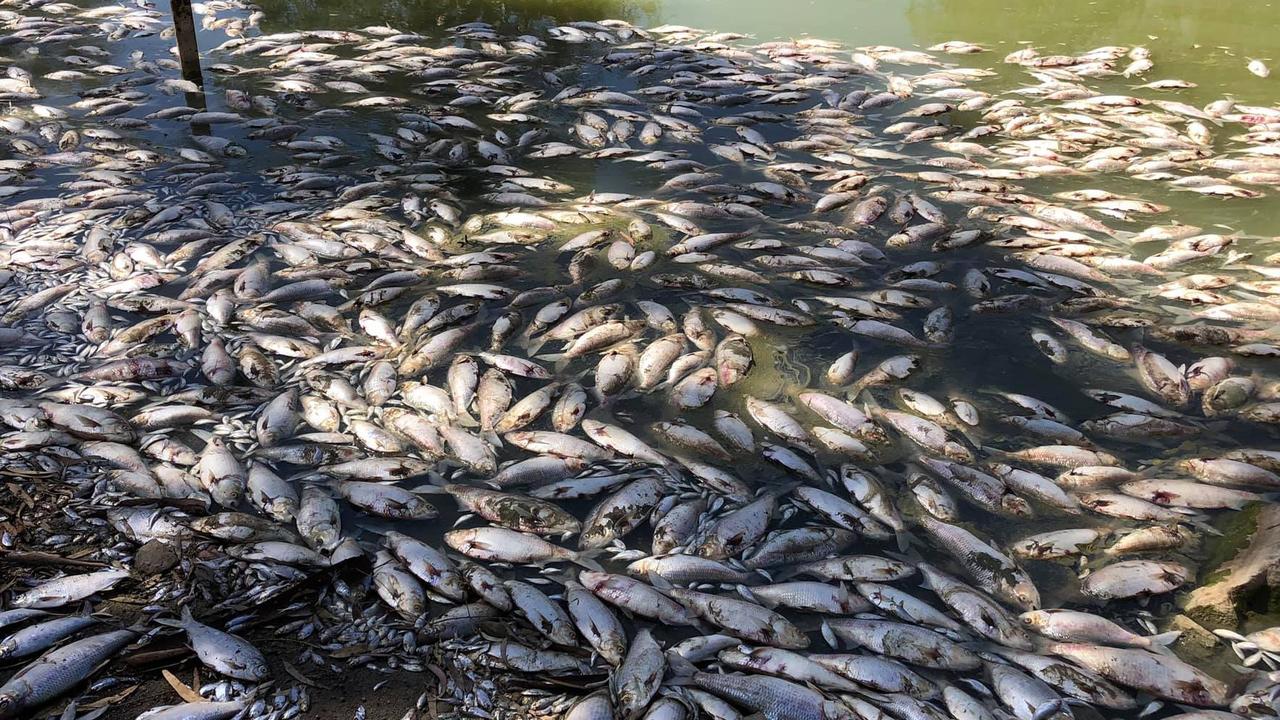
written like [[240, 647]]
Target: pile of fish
[[818, 410]]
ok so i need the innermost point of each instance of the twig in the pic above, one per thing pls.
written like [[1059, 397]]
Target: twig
[[36, 557]]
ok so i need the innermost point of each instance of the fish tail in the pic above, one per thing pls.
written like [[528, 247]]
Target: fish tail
[[905, 540], [1162, 641]]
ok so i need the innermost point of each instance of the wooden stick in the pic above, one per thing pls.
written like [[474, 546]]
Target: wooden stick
[[36, 557]]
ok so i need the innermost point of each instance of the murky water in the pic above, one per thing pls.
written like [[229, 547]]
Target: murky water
[[1205, 44], [1208, 45], [991, 358], [1202, 43]]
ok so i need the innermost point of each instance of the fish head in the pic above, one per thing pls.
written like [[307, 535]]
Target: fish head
[[258, 669], [1016, 506], [614, 651], [1027, 595], [593, 580], [711, 547], [789, 636], [10, 705]]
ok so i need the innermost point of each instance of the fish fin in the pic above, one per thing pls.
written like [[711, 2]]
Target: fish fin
[[1150, 708], [1204, 526], [659, 582], [780, 575], [907, 556], [532, 345], [682, 670], [870, 404], [435, 479], [905, 540], [465, 418], [585, 558], [185, 618], [559, 575], [1049, 709], [829, 635], [525, 337], [317, 479]]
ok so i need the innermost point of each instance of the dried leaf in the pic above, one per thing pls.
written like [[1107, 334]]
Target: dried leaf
[[98, 712], [112, 699], [297, 674], [186, 693]]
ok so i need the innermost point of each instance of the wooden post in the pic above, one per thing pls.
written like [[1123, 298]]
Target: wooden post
[[184, 28], [188, 51]]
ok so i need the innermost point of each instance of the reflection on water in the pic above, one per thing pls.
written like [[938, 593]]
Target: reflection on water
[[428, 16]]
